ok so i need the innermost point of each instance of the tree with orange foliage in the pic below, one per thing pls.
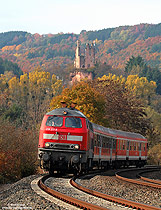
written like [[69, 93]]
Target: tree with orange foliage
[[88, 100]]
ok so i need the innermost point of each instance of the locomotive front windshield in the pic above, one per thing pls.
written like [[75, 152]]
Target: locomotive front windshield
[[54, 121], [73, 122], [70, 122]]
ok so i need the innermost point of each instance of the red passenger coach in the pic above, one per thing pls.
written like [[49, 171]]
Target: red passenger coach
[[68, 142], [118, 148]]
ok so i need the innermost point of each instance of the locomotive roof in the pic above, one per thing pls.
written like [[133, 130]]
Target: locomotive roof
[[70, 112], [117, 132], [113, 132]]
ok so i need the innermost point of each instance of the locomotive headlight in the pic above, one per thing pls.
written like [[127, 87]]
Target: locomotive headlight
[[76, 146], [47, 144]]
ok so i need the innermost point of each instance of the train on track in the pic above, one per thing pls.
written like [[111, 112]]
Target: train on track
[[69, 142]]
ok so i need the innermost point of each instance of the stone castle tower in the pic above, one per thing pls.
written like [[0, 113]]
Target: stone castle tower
[[87, 60]]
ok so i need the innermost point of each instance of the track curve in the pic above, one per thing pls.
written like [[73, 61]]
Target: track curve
[[85, 205], [70, 200], [124, 202]]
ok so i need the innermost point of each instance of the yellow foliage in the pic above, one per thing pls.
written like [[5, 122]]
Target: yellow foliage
[[23, 79], [154, 154], [13, 83], [88, 100], [17, 55], [112, 77], [141, 87]]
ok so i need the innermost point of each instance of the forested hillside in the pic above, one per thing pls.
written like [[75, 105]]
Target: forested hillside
[[114, 46]]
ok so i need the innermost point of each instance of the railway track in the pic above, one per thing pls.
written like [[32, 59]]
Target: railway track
[[74, 197], [64, 191]]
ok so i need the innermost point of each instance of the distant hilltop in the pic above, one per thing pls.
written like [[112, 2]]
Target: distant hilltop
[[114, 46]]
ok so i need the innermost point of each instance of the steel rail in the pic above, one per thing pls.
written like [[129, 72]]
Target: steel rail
[[70, 200], [148, 179], [151, 180], [124, 202], [148, 183]]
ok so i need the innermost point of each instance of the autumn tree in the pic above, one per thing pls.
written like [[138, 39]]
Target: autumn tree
[[18, 156], [29, 96], [88, 100], [122, 109], [141, 87]]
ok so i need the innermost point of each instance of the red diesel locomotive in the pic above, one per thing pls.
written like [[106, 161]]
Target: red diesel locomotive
[[69, 142]]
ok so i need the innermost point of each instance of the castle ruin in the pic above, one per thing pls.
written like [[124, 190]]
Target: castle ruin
[[87, 60], [83, 62]]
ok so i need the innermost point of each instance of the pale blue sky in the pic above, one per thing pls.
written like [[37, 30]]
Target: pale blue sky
[[54, 16]]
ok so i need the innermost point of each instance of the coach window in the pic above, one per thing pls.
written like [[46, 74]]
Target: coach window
[[140, 147], [128, 145], [134, 146], [117, 143], [114, 143], [125, 143], [123, 146], [110, 142], [104, 145], [99, 140], [120, 144], [95, 139], [107, 142]]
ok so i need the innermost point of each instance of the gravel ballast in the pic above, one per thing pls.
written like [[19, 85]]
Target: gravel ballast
[[21, 196], [112, 186]]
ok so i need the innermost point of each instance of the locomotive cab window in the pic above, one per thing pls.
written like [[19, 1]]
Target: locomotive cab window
[[54, 121], [73, 122], [89, 125]]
